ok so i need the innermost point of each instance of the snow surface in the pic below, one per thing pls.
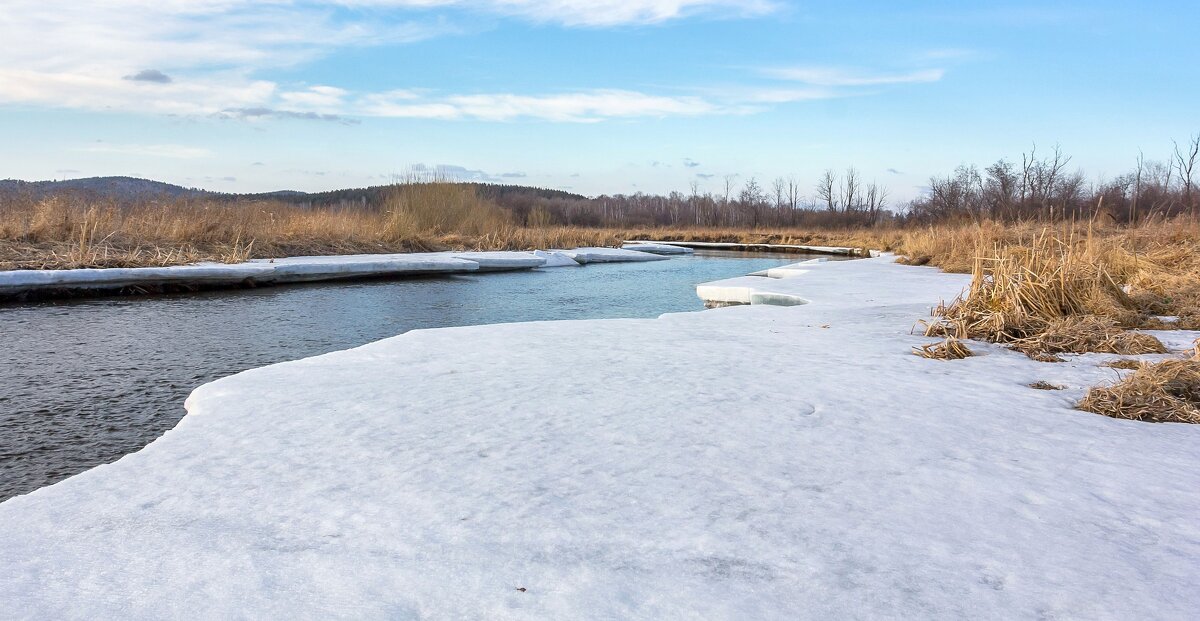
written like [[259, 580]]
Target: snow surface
[[309, 269], [556, 259], [609, 255], [657, 248], [837, 250], [764, 462]]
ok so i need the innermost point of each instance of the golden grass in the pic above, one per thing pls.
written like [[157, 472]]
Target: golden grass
[[949, 349], [1051, 295], [1157, 262], [1164, 392], [1042, 385], [60, 232]]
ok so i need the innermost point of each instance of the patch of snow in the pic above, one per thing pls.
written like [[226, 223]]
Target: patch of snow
[[658, 248], [609, 255], [307, 269], [1175, 340], [501, 261], [556, 259], [766, 463], [20, 280], [835, 250]]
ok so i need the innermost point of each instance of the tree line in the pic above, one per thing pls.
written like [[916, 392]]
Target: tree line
[[1037, 187]]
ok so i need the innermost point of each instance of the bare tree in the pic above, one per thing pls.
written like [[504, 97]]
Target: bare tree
[[779, 189], [876, 201], [827, 190], [850, 186], [1185, 162]]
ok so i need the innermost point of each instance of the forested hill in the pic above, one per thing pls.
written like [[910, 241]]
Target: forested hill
[[122, 189]]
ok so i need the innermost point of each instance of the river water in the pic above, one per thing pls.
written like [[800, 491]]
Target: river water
[[84, 382]]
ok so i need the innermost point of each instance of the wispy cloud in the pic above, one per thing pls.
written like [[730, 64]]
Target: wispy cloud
[[580, 107], [690, 163], [272, 113], [594, 13], [834, 77], [174, 151]]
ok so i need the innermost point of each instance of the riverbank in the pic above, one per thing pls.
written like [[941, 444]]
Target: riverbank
[[25, 285], [752, 461]]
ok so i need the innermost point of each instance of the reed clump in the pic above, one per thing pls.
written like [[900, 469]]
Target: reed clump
[[1050, 296], [1164, 392], [1156, 263], [62, 232], [949, 349]]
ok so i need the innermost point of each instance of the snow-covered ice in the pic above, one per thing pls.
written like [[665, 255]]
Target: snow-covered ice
[[609, 255], [747, 462], [556, 259], [307, 269], [657, 248], [304, 269], [835, 250]]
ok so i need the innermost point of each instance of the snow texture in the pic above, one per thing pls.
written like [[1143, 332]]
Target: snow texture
[[835, 250], [306, 269], [762, 463], [609, 255], [658, 248], [556, 259]]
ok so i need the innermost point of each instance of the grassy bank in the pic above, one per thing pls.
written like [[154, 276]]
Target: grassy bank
[[63, 232]]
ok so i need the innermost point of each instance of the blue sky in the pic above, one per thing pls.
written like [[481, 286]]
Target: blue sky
[[599, 96]]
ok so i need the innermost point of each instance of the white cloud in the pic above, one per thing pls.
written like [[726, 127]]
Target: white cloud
[[152, 150], [318, 98], [593, 13], [582, 106], [200, 57], [834, 77]]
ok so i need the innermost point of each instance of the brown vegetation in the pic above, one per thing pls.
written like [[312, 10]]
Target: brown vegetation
[[1164, 392], [949, 349], [1042, 385], [64, 232]]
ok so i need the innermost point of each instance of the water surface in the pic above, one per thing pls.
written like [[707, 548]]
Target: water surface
[[84, 382]]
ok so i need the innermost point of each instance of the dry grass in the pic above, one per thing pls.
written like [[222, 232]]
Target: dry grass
[[949, 349], [1050, 296], [1157, 263], [1124, 363], [1040, 385], [61, 232], [1165, 392], [862, 239]]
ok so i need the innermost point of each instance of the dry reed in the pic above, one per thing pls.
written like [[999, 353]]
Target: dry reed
[[65, 232], [949, 349], [1050, 296], [1164, 392]]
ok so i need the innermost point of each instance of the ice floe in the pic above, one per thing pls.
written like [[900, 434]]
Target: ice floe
[[658, 248], [609, 255], [305, 269]]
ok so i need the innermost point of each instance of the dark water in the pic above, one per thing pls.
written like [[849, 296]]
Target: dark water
[[85, 382]]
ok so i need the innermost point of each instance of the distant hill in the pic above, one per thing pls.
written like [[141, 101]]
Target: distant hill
[[123, 189], [119, 188]]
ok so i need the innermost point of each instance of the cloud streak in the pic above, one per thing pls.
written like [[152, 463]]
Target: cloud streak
[[838, 77]]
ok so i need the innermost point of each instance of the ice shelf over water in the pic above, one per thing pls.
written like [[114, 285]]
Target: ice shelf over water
[[306, 269], [752, 462], [609, 255], [657, 248]]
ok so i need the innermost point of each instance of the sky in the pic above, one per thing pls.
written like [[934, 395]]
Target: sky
[[589, 96]]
